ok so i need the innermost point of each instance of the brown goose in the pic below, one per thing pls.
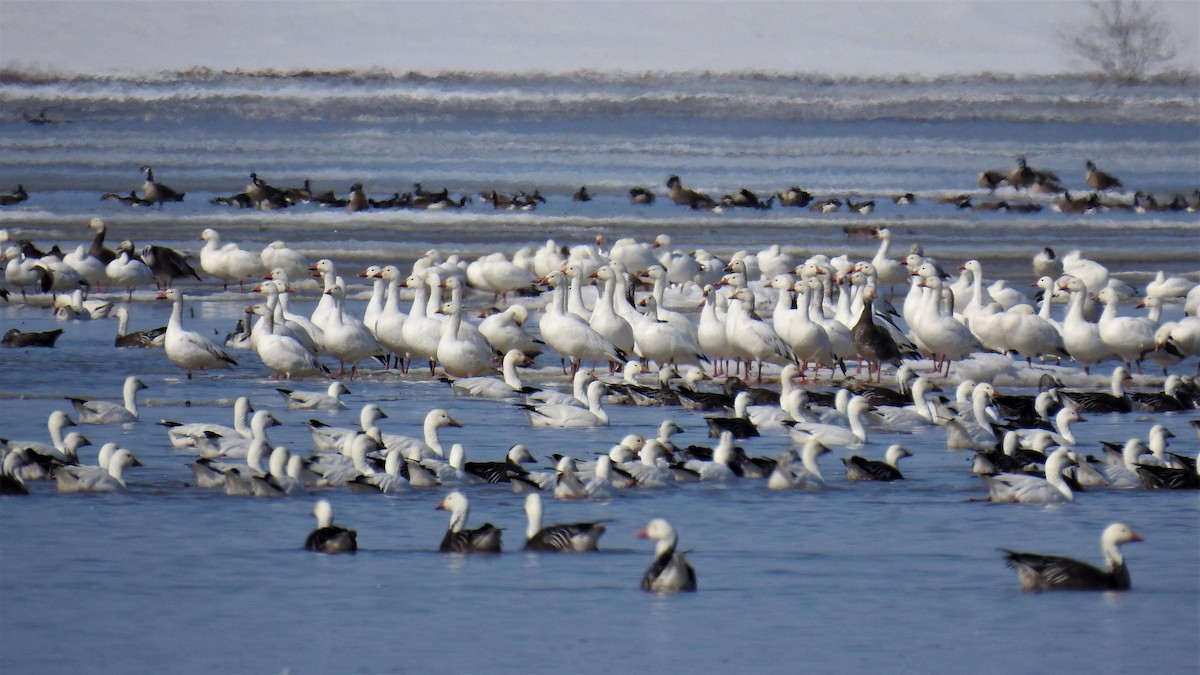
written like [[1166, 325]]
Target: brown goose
[[874, 344], [157, 193], [1098, 180], [16, 197], [687, 197], [1038, 572], [15, 338]]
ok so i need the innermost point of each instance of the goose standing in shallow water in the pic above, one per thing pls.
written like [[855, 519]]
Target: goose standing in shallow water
[[188, 349], [1038, 572], [458, 539], [108, 412], [329, 538], [670, 571], [578, 537]]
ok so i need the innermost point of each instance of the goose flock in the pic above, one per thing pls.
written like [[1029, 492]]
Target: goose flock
[[769, 348]]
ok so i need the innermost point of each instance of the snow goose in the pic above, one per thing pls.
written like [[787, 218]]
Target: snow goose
[[753, 337], [188, 349], [576, 397], [87, 265], [1026, 489], [1169, 477], [570, 416], [421, 333], [836, 435], [344, 470], [388, 327], [507, 387], [888, 271], [128, 273], [277, 255], [505, 331], [391, 481], [570, 335], [740, 425], [1092, 274], [651, 469], [95, 478], [330, 399], [228, 262], [1081, 338], [212, 444], [278, 348], [1129, 338], [1030, 334], [458, 539], [500, 276], [661, 341], [786, 475], [670, 571], [861, 469], [151, 337], [461, 357], [1164, 287], [711, 333], [184, 435], [604, 319], [1099, 401], [1045, 263], [872, 342], [1037, 572], [109, 412], [430, 444], [378, 293], [501, 472], [10, 478], [942, 334], [601, 485], [329, 538], [346, 338]]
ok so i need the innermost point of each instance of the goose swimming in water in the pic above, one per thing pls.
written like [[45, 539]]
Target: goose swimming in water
[[576, 537], [458, 539], [329, 538], [96, 478], [670, 571], [1038, 572], [331, 399], [861, 469], [108, 412]]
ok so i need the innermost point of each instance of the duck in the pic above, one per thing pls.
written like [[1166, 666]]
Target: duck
[[1037, 572], [330, 399], [570, 416], [670, 571], [149, 338], [188, 349], [577, 537], [1027, 489], [458, 539], [96, 478], [329, 538], [861, 469], [108, 412], [157, 193]]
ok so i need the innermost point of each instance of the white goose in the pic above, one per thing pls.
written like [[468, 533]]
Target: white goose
[[461, 357], [108, 412], [508, 387], [275, 345], [670, 571], [335, 439], [505, 331], [1081, 338], [570, 335], [835, 435], [96, 479], [346, 338], [128, 273], [420, 333], [940, 332], [787, 476], [1129, 338], [662, 341], [277, 255], [1025, 489], [711, 333], [605, 320], [430, 444], [184, 435], [330, 399], [228, 262], [188, 349], [569, 416], [389, 326], [752, 336]]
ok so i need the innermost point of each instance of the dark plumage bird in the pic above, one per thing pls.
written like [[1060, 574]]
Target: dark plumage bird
[[458, 539], [640, 195], [1098, 180], [794, 196], [358, 199], [990, 180], [502, 472], [873, 342], [577, 537], [687, 197], [167, 264], [862, 469], [157, 193], [329, 538], [132, 199], [15, 338], [1170, 478], [1038, 572], [581, 195], [670, 571], [18, 196]]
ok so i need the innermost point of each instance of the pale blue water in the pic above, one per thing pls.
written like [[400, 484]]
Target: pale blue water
[[856, 578]]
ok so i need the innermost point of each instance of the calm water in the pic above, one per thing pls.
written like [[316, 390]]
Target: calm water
[[857, 577]]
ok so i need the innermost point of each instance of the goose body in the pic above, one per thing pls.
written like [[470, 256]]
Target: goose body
[[459, 539], [329, 538], [188, 349], [670, 571], [97, 479], [1038, 572], [109, 412], [577, 537], [570, 416]]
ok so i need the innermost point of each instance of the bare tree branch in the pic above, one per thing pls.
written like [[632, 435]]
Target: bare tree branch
[[1124, 39]]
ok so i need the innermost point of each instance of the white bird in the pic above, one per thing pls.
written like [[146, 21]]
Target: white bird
[[277, 347], [345, 337], [430, 444], [569, 416], [505, 331], [188, 349], [751, 336], [97, 479], [228, 262], [578, 537], [1164, 287], [1026, 489], [786, 475], [459, 356], [507, 387], [330, 399], [1081, 338], [1130, 338], [277, 255], [670, 571], [570, 335], [334, 439], [128, 273], [184, 435], [836, 435], [108, 412]]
